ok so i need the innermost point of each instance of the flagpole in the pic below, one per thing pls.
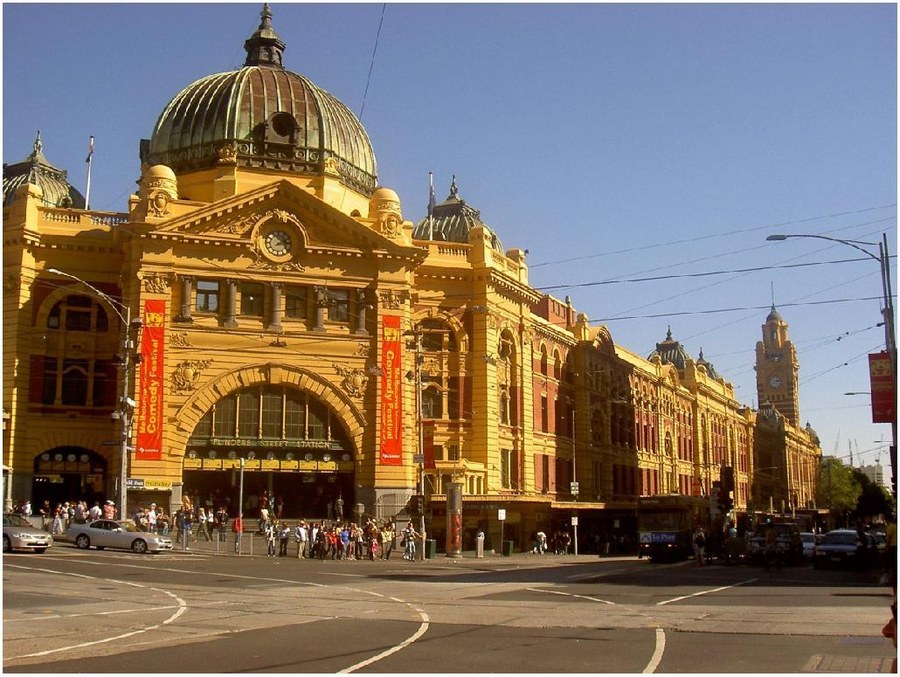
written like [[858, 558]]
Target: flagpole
[[430, 206], [90, 163]]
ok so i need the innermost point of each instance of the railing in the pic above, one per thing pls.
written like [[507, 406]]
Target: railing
[[81, 217]]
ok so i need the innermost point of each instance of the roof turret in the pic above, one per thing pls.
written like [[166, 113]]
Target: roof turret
[[451, 221], [37, 170]]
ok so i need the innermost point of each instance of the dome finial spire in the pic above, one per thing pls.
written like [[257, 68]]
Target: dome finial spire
[[38, 147], [264, 47]]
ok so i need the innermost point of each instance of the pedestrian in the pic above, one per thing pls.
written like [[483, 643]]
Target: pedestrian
[[409, 542], [152, 516], [699, 545], [301, 535], [25, 510], [339, 508], [540, 546], [237, 527], [388, 535], [284, 535], [57, 526], [269, 533], [202, 525], [46, 513], [109, 511]]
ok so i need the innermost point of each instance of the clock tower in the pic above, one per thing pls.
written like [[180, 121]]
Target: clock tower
[[777, 369]]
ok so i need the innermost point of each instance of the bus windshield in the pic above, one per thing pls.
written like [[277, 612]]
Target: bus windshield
[[669, 520]]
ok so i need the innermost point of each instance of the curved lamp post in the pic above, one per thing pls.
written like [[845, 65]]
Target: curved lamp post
[[125, 410], [887, 312]]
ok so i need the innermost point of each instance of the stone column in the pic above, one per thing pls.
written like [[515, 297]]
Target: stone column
[[230, 316], [187, 286]]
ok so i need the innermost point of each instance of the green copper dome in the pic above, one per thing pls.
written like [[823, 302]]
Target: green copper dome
[[263, 116]]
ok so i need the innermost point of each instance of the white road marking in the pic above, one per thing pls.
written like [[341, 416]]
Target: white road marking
[[139, 610], [657, 652], [423, 628], [705, 592], [182, 607], [569, 594]]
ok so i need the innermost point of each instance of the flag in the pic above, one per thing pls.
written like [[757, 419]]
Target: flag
[[430, 194], [90, 150]]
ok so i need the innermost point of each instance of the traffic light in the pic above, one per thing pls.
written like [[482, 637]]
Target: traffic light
[[726, 489], [416, 505]]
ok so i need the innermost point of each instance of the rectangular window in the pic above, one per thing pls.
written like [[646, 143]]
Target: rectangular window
[[252, 299], [294, 417], [295, 303], [207, 296], [225, 417], [75, 382], [453, 452], [51, 373], [272, 415], [339, 305], [248, 414]]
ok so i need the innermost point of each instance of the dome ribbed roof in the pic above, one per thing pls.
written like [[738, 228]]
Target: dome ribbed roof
[[672, 352], [451, 221], [774, 315], [710, 369], [263, 116], [35, 169]]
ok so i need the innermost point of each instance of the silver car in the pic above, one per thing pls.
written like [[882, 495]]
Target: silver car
[[19, 534], [111, 534]]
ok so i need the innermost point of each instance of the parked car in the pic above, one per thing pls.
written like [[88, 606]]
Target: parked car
[[111, 534], [809, 544], [843, 548], [19, 534]]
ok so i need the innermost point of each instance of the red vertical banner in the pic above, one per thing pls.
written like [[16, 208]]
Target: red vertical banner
[[150, 412], [428, 444], [391, 411], [881, 378]]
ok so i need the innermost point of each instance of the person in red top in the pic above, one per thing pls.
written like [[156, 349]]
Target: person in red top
[[238, 528]]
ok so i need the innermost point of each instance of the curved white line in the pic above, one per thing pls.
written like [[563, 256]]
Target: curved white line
[[423, 628], [571, 594], [705, 592], [657, 652], [182, 607]]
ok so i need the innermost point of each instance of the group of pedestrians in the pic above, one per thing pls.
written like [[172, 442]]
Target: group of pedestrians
[[335, 541]]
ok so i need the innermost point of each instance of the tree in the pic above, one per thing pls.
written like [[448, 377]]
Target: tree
[[836, 487], [873, 499]]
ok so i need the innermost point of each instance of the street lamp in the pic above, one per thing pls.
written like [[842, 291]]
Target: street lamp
[[887, 312], [417, 377], [125, 411]]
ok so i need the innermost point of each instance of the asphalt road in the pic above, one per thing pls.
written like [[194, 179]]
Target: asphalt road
[[88, 611]]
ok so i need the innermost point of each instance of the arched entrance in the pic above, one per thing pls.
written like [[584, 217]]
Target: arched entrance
[[295, 448], [68, 474]]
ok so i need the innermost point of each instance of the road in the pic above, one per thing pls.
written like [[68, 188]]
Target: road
[[89, 611]]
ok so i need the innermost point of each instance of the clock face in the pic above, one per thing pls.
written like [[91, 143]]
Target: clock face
[[775, 381], [278, 243]]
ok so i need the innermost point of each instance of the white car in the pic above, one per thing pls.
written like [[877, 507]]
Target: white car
[[111, 534], [809, 544], [19, 534]]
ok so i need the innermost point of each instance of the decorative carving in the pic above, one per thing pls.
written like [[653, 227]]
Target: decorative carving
[[362, 350], [355, 380], [180, 340], [187, 374], [158, 204], [239, 225], [287, 267], [332, 166], [156, 283], [393, 300], [390, 226], [227, 154], [11, 283]]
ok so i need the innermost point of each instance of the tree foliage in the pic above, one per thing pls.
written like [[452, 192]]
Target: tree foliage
[[873, 500], [837, 488]]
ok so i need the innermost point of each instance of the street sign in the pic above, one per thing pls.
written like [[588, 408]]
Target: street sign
[[573, 488], [574, 520], [418, 458], [501, 514]]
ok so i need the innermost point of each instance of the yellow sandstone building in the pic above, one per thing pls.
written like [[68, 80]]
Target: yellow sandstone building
[[263, 303]]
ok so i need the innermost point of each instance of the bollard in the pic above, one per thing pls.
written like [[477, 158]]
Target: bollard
[[479, 544]]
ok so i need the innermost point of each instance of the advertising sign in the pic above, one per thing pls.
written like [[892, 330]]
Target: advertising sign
[[150, 407], [882, 383], [391, 412]]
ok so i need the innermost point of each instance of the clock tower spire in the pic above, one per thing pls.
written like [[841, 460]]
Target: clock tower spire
[[777, 369]]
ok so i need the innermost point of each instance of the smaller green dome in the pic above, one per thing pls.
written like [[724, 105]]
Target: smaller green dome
[[36, 170], [451, 221]]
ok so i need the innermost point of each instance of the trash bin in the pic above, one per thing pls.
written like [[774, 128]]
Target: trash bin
[[430, 548], [507, 548]]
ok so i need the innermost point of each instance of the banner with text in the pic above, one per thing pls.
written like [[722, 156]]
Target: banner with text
[[391, 412], [150, 411], [881, 379]]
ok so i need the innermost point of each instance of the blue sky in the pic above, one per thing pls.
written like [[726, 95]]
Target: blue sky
[[612, 141]]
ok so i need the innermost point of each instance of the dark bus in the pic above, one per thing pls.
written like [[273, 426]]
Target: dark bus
[[666, 524]]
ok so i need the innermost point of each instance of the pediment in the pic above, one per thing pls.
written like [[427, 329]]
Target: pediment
[[247, 218]]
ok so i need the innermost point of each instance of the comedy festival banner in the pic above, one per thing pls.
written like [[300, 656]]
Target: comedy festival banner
[[150, 413], [391, 412]]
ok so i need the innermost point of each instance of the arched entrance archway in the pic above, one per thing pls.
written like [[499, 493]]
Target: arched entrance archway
[[296, 451], [68, 474]]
